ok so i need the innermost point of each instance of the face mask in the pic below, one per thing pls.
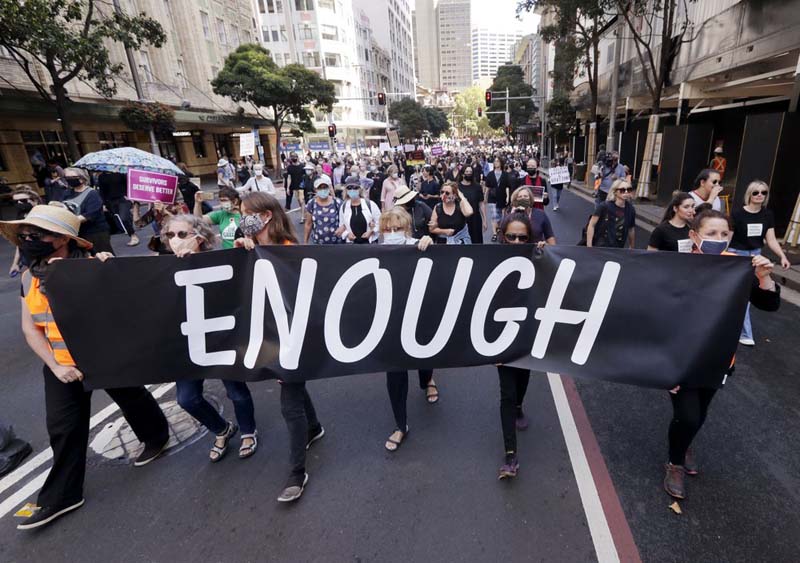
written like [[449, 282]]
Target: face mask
[[177, 244], [394, 238], [523, 203], [708, 246], [309, 172], [73, 182], [258, 171], [468, 177], [34, 250], [226, 205], [394, 175], [533, 171], [294, 159], [251, 225], [24, 206], [353, 194], [323, 194]]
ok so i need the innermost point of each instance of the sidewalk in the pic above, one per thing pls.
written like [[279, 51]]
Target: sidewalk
[[649, 215]]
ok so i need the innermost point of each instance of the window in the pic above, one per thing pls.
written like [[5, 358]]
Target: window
[[112, 140], [287, 59], [222, 145], [235, 36], [610, 54], [168, 147], [283, 34], [307, 5], [265, 33], [274, 30], [330, 32], [223, 40], [327, 4], [199, 144], [333, 59], [305, 31], [261, 6], [147, 70], [45, 145], [311, 59], [206, 25], [278, 7]]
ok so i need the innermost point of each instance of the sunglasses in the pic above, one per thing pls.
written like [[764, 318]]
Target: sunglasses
[[180, 234], [511, 237], [31, 236], [765, 192], [715, 182], [625, 190]]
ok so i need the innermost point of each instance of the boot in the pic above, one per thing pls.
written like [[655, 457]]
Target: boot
[[690, 463], [673, 481]]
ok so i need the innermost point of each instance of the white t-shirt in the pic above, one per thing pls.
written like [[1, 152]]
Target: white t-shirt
[[716, 206], [256, 184]]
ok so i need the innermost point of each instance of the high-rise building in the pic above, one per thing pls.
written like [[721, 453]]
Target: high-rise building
[[374, 68], [528, 55], [490, 50], [426, 44], [455, 59], [391, 29]]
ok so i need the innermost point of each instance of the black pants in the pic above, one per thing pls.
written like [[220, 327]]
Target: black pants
[[300, 417], [513, 386], [689, 410], [475, 227], [122, 207], [397, 386], [68, 411], [101, 242]]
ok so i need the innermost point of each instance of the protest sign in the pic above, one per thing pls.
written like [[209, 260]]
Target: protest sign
[[559, 175], [394, 138], [247, 144], [151, 186], [437, 150]]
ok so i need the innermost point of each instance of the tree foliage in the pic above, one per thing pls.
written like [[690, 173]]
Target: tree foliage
[[411, 118], [560, 117], [68, 39], [250, 75], [438, 123], [465, 114], [143, 116], [512, 78]]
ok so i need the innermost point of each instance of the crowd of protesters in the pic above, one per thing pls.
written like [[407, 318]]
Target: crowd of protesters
[[464, 196]]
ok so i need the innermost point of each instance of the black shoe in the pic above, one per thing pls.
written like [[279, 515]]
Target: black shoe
[[314, 435], [494, 237], [44, 515], [150, 453]]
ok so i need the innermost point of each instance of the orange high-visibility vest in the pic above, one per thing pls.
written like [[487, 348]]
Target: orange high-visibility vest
[[720, 163], [42, 316]]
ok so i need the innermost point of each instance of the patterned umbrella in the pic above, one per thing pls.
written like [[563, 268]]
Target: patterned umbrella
[[122, 159]]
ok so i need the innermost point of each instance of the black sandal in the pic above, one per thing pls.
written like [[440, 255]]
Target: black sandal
[[396, 443], [218, 452], [432, 398]]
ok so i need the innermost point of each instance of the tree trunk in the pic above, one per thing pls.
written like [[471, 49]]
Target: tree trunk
[[66, 125], [278, 161]]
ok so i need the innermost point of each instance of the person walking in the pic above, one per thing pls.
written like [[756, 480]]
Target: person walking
[[49, 233], [265, 223], [497, 184], [672, 234], [610, 171], [390, 185], [293, 183], [258, 182], [474, 194], [711, 233], [322, 215], [420, 213], [615, 219], [224, 174], [113, 188], [429, 190], [719, 163], [753, 227], [358, 216], [707, 188], [86, 203], [449, 218]]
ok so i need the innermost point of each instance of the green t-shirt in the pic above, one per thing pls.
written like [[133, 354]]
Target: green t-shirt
[[228, 223]]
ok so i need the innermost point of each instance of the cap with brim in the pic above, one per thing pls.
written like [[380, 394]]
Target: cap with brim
[[323, 180], [308, 166], [57, 220], [403, 195]]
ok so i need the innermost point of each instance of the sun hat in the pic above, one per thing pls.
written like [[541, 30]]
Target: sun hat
[[308, 166], [352, 182], [53, 218], [403, 195], [222, 162], [323, 180]]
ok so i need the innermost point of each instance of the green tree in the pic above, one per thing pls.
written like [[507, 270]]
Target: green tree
[[69, 40], [144, 116], [465, 114], [560, 117], [437, 121], [410, 117], [250, 75], [511, 77]]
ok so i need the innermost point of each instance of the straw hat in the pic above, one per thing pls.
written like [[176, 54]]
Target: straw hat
[[52, 218], [403, 195]]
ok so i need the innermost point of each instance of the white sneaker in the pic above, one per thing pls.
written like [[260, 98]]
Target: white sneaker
[[555, 207], [747, 341]]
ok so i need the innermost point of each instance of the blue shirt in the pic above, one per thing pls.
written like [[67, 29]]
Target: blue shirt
[[608, 175]]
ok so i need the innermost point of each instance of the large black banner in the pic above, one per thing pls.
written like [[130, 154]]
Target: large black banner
[[646, 318]]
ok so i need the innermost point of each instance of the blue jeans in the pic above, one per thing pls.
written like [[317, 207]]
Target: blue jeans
[[190, 398], [747, 327]]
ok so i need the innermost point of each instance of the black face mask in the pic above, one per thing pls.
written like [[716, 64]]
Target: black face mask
[[34, 250], [24, 206], [73, 182], [533, 171], [468, 177]]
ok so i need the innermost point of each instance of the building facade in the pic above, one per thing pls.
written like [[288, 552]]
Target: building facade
[[528, 55], [455, 52], [178, 74], [492, 49], [426, 44]]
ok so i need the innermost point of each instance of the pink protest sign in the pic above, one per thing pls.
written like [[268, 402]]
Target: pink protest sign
[[151, 186], [437, 150]]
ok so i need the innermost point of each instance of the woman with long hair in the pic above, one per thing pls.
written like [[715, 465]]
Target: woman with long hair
[[672, 234]]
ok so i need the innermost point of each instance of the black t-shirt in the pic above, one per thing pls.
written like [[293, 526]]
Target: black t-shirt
[[296, 173], [617, 221], [430, 187], [358, 223], [749, 229], [474, 194], [667, 236]]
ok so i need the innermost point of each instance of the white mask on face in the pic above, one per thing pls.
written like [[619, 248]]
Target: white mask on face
[[258, 170], [394, 238], [178, 244]]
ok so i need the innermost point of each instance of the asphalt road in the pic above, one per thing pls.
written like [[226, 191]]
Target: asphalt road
[[437, 498]]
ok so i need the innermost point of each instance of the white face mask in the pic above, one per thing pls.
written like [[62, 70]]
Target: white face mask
[[258, 171], [189, 243], [394, 238], [394, 175], [226, 205]]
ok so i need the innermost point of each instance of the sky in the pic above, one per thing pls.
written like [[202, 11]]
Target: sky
[[498, 13]]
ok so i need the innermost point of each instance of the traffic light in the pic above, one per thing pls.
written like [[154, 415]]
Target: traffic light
[[488, 98], [381, 98], [332, 130], [480, 112]]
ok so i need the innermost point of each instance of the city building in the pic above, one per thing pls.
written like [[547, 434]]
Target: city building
[[391, 30], [455, 53], [528, 55], [492, 49], [426, 44], [177, 74]]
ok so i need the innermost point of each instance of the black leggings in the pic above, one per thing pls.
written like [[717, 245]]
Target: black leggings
[[689, 410], [513, 386], [397, 386]]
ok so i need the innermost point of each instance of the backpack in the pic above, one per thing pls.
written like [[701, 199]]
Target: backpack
[[74, 204], [600, 237]]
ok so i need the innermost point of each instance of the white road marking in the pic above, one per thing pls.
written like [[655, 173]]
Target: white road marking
[[43, 457], [598, 525]]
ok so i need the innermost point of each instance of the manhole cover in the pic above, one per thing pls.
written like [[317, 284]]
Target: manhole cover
[[115, 443]]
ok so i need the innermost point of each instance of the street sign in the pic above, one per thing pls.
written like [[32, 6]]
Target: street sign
[[319, 145]]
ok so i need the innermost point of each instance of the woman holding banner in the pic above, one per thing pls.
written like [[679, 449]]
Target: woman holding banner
[[264, 222], [185, 235], [711, 234]]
